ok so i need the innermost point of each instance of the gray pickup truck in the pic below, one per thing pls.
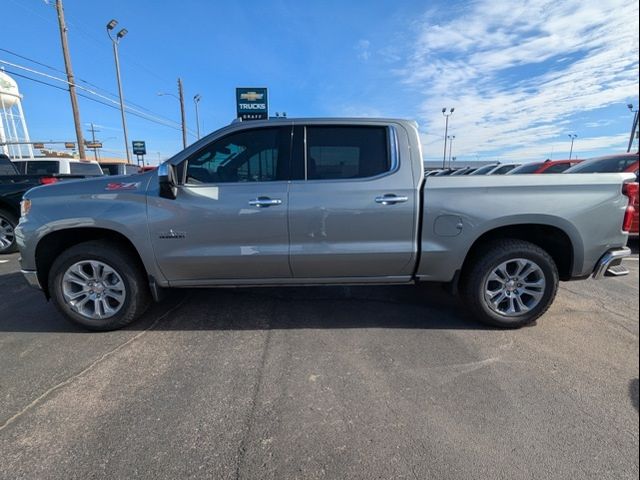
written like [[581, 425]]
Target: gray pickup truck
[[318, 202]]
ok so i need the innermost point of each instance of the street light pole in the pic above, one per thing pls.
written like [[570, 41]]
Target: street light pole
[[634, 126], [451, 138], [196, 101], [572, 136], [116, 41], [446, 130], [70, 79]]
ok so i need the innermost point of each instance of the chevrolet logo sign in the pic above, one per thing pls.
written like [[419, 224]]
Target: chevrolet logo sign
[[251, 96]]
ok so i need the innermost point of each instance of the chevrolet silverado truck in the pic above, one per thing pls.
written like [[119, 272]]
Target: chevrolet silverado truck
[[319, 202]]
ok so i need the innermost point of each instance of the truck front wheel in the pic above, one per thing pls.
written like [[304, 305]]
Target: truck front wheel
[[510, 283], [98, 286], [8, 224]]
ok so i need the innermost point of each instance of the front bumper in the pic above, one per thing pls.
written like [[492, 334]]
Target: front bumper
[[32, 278], [610, 264]]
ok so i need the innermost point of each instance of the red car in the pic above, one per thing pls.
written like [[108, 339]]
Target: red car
[[548, 166], [624, 162]]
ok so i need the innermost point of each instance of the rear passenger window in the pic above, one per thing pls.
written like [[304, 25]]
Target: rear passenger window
[[42, 167], [346, 152]]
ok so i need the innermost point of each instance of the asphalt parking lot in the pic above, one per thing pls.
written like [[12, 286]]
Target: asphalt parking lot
[[337, 382]]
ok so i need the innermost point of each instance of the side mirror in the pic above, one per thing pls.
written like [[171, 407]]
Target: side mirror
[[167, 181]]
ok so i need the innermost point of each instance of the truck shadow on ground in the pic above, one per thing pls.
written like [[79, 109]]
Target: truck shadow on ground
[[633, 392], [23, 309]]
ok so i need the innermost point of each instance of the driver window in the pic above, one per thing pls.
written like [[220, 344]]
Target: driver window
[[247, 156]]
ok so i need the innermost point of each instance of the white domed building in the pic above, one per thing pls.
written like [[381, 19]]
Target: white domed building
[[13, 127]]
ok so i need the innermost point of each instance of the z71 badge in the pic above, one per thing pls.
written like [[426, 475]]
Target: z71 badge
[[122, 186]]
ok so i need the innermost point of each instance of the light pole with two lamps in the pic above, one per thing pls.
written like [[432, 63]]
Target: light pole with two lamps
[[451, 138], [446, 131], [116, 41]]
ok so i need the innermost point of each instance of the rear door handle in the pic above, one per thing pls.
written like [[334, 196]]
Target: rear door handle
[[262, 202], [391, 199]]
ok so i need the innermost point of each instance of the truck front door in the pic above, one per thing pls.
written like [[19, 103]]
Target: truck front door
[[229, 220]]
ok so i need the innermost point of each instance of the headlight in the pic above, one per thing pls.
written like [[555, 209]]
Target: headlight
[[25, 207]]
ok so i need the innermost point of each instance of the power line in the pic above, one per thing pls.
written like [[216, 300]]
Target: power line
[[92, 99], [128, 107], [78, 78]]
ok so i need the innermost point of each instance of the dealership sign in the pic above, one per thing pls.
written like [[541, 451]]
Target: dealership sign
[[252, 103], [139, 147]]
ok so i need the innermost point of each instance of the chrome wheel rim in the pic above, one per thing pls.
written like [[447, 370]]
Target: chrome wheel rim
[[7, 235], [514, 287], [93, 289]]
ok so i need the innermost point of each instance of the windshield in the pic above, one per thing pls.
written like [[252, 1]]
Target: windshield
[[605, 165], [528, 168]]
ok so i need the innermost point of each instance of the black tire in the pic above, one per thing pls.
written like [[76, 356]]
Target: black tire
[[8, 218], [137, 295], [489, 258]]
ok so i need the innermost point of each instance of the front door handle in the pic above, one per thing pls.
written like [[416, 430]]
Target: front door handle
[[262, 202], [391, 199]]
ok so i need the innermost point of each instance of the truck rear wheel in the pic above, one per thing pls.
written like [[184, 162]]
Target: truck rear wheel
[[8, 224], [98, 285], [510, 283]]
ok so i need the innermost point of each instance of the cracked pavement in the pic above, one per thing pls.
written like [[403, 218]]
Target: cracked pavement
[[335, 382]]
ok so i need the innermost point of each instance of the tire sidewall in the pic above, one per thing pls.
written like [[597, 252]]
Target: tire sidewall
[[551, 284], [126, 273], [14, 223]]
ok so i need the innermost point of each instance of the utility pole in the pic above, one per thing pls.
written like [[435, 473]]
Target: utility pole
[[70, 79], [182, 114], [572, 136], [93, 131]]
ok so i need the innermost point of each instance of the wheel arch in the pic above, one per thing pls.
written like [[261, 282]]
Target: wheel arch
[[551, 238], [54, 243]]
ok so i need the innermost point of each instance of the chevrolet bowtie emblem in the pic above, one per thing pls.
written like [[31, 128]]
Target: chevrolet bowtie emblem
[[251, 96]]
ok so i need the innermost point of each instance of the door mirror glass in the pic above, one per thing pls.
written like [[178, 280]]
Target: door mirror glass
[[167, 181]]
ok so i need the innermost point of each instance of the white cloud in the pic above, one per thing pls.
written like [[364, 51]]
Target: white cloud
[[516, 72], [362, 49]]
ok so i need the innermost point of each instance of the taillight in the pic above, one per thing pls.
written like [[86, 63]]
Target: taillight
[[631, 191], [48, 180]]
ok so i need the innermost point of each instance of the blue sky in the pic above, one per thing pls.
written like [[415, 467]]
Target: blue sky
[[521, 75]]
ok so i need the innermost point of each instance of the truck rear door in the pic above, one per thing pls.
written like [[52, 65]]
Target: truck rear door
[[352, 203]]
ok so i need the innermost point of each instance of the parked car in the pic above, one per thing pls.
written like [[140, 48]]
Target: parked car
[[12, 186], [318, 202], [485, 169], [462, 171], [548, 166], [444, 172], [503, 168], [114, 168], [58, 166], [626, 162]]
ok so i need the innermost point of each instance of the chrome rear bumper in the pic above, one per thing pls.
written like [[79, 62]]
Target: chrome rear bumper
[[610, 264], [32, 278]]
